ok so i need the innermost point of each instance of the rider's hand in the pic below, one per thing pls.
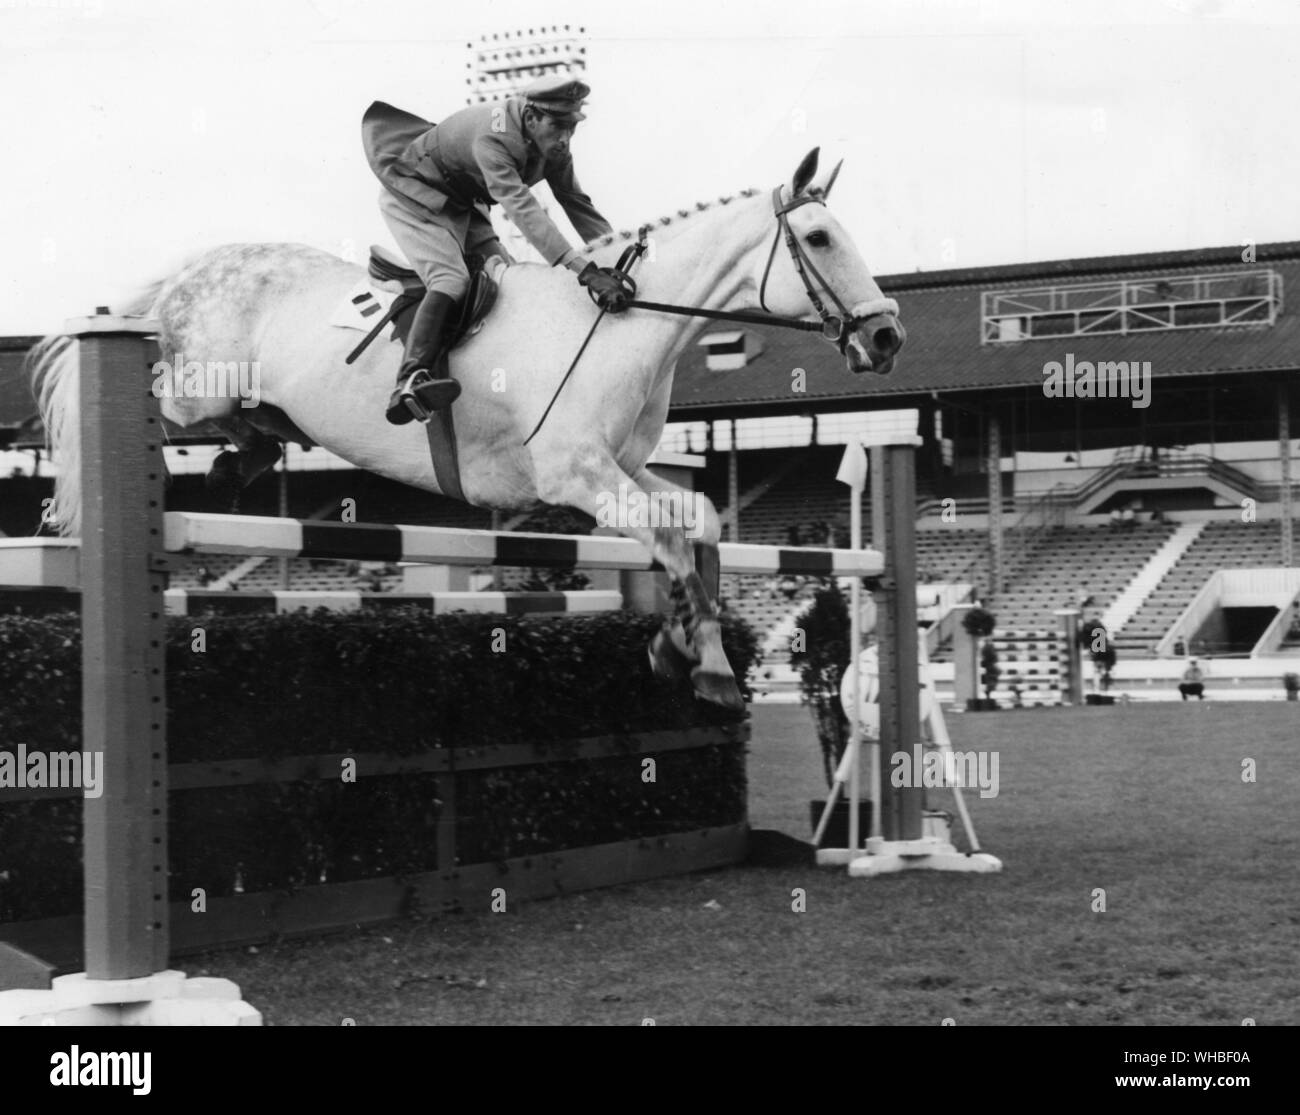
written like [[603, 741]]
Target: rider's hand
[[605, 284]]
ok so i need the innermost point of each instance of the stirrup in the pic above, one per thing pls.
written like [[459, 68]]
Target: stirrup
[[423, 395]]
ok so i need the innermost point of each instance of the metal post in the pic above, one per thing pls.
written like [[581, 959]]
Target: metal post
[[994, 463], [123, 650], [733, 488], [284, 513], [893, 513], [1284, 452]]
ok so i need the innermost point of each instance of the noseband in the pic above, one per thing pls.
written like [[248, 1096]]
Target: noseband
[[836, 329]]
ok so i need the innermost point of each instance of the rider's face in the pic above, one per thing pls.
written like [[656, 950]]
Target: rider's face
[[550, 136]]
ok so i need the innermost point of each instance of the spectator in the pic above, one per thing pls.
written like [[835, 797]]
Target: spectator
[[1084, 598], [1180, 646], [789, 587], [205, 576], [1193, 683], [1157, 516], [1127, 519], [792, 536], [1115, 520]]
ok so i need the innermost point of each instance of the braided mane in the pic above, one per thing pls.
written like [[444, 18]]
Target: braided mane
[[667, 219]]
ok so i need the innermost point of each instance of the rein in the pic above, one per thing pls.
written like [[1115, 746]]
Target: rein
[[835, 328], [630, 255], [736, 315]]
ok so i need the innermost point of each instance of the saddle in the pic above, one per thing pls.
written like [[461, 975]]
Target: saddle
[[388, 272]]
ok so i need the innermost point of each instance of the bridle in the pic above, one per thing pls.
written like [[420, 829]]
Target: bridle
[[836, 329]]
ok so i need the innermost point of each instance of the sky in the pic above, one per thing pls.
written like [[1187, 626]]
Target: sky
[[974, 132]]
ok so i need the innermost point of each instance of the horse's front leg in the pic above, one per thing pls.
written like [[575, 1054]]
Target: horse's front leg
[[692, 635], [592, 481]]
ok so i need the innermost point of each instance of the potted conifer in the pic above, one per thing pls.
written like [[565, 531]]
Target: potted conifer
[[979, 624]]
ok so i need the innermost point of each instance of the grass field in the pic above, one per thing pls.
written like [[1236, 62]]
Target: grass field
[[1144, 803]]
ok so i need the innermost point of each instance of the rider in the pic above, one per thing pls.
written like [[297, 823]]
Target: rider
[[439, 183]]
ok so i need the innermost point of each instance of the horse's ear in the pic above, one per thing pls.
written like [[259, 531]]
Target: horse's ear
[[826, 189], [805, 173]]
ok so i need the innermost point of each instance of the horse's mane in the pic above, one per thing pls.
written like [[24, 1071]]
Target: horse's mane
[[667, 219]]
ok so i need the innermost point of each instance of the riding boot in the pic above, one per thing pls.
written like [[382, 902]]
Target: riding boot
[[418, 393]]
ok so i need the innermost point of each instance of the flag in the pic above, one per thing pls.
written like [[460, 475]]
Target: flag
[[853, 466]]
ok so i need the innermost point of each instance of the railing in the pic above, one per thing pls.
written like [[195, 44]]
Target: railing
[[1174, 463], [1127, 465], [1044, 514], [945, 596], [1131, 306], [1283, 631]]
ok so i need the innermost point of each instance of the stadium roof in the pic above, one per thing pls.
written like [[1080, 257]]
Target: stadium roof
[[942, 313]]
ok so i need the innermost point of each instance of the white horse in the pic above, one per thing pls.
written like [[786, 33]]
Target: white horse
[[271, 303]]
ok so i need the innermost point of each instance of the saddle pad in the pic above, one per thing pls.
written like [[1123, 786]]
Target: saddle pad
[[361, 307]]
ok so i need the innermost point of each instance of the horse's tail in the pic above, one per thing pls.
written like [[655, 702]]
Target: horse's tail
[[55, 370], [56, 383]]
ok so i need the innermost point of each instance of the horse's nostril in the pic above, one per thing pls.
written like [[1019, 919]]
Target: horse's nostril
[[885, 340]]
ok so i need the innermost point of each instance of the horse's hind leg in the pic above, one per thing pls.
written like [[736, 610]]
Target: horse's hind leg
[[232, 472]]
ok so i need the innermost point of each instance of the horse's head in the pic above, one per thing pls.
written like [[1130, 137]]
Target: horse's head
[[813, 261]]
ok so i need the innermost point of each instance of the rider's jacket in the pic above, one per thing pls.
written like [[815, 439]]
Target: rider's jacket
[[477, 157]]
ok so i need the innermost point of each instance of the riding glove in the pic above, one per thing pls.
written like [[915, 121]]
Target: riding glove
[[605, 284]]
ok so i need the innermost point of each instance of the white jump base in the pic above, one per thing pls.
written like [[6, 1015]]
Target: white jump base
[[166, 998], [933, 852]]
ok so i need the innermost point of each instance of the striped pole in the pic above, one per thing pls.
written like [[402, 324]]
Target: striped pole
[[189, 532]]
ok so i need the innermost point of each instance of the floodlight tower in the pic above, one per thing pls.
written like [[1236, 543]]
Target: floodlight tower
[[501, 64]]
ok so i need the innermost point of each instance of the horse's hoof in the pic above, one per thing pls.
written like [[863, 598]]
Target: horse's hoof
[[717, 689], [666, 661], [223, 476]]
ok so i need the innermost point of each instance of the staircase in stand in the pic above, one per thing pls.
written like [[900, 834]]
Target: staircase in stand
[[1126, 604]]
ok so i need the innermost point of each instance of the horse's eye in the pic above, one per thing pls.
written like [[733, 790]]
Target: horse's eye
[[818, 239]]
